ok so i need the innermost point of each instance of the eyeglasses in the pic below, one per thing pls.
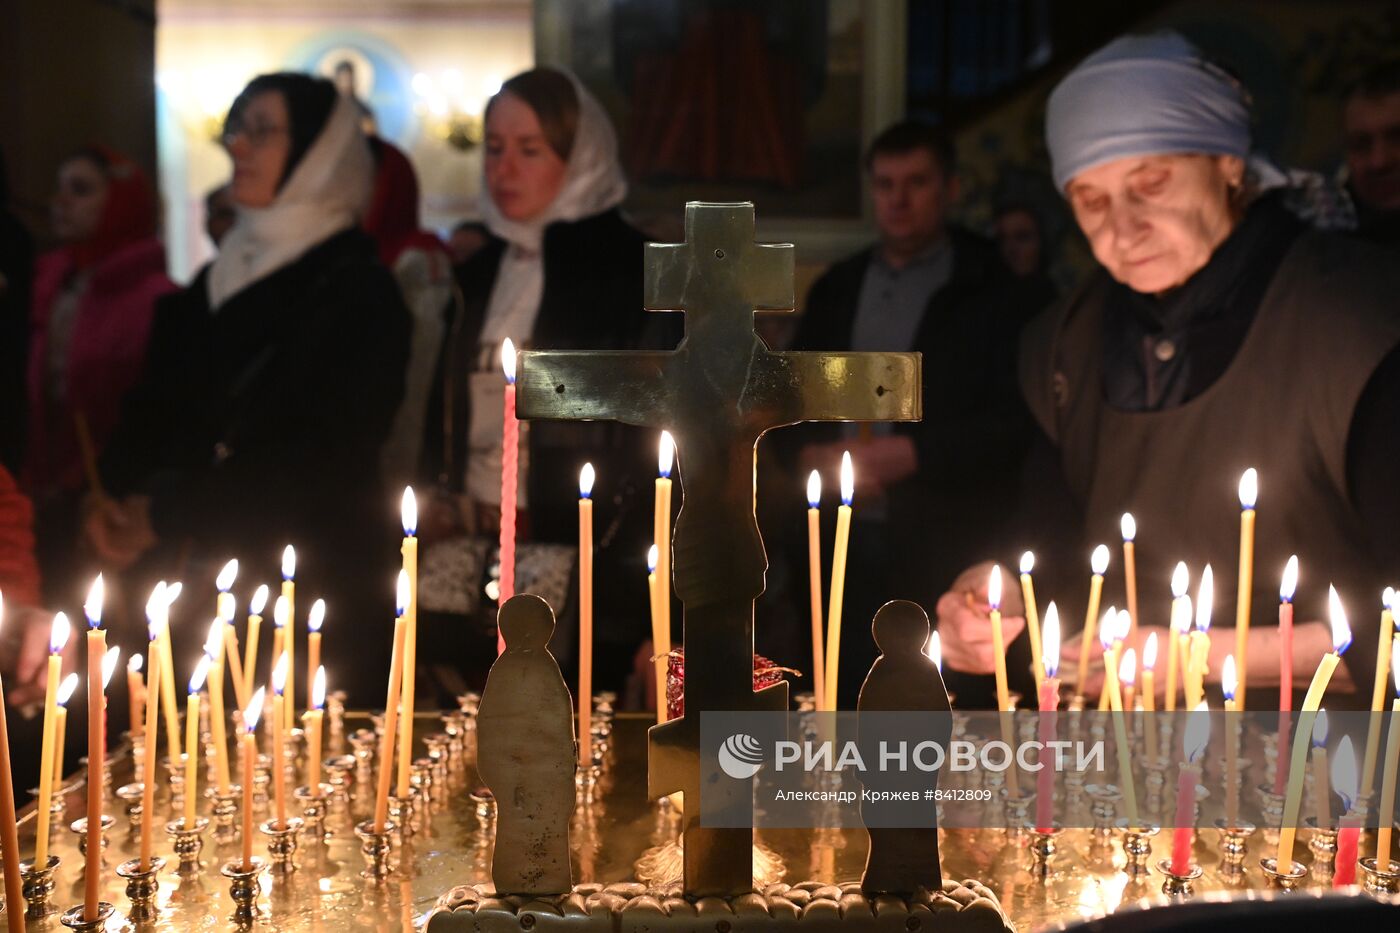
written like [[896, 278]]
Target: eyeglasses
[[257, 135]]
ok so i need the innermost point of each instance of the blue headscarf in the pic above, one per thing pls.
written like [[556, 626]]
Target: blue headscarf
[[1143, 95]]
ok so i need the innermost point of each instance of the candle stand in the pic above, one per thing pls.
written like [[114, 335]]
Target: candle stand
[[188, 842], [1233, 843], [244, 888], [73, 918], [37, 887], [142, 887], [130, 796], [1178, 885], [224, 811], [1379, 882], [1283, 880], [1042, 847], [376, 847], [79, 828], [1137, 847], [315, 803], [282, 844]]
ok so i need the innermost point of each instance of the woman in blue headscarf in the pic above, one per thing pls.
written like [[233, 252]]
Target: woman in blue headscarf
[[1221, 333]]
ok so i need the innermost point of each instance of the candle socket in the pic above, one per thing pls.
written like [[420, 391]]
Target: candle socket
[[1156, 782], [1283, 880], [421, 777], [1042, 846], [401, 812], [1271, 809], [376, 721], [138, 757], [188, 842], [244, 887], [1379, 882], [262, 780], [315, 802], [437, 745], [1323, 843], [223, 808], [335, 714], [130, 796], [364, 744], [74, 918], [586, 783], [1137, 847], [106, 772], [1179, 886], [484, 803], [37, 887], [142, 887], [1233, 843], [338, 771], [282, 844], [1103, 807], [1270, 742], [1017, 808], [1074, 787], [376, 848], [79, 828]]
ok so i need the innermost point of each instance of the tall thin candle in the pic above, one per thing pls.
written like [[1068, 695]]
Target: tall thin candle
[[1249, 494], [585, 616], [1110, 640], [658, 663], [1125, 761], [60, 730], [192, 756], [249, 745], [279, 766], [1193, 745], [1032, 620], [148, 770], [1127, 671], [1322, 793], [1200, 640], [315, 714], [1349, 828], [1285, 668], [289, 633], [1180, 625], [998, 639], [135, 696], [170, 712], [510, 478], [1049, 697], [58, 639], [391, 711], [9, 829], [814, 584], [1390, 773], [408, 690], [838, 580], [1149, 695], [314, 620], [214, 649], [1098, 564], [1128, 526], [250, 655], [1228, 682], [1378, 694], [661, 533], [228, 658]]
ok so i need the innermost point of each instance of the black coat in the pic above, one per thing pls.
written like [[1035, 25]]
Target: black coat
[[259, 425]]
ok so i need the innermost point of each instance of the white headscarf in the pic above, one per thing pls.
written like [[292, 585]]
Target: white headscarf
[[593, 183], [326, 193]]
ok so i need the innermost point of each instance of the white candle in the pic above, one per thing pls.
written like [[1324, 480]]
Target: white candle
[[1249, 494]]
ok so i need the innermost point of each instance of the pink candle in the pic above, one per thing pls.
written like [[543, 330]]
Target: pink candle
[[1347, 839], [1285, 668], [1194, 744], [1349, 829], [510, 460], [1049, 706]]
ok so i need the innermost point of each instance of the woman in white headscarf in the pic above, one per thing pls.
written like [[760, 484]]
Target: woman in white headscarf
[[273, 378], [1221, 333]]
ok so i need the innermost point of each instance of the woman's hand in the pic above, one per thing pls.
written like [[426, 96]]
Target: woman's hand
[[119, 531], [964, 620], [31, 667]]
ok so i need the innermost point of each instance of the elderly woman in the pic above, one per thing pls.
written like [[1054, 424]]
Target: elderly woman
[[1221, 333]]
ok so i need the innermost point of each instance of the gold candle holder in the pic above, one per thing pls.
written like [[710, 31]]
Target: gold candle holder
[[130, 796], [401, 812], [1103, 807], [244, 887], [1155, 782], [282, 844], [1137, 847], [315, 802], [1016, 809], [79, 828], [1283, 880], [142, 887], [1271, 811], [223, 808], [421, 777], [1042, 848], [1376, 881], [338, 771], [1175, 885], [37, 887], [376, 848], [1233, 843], [188, 842], [74, 918], [1323, 843]]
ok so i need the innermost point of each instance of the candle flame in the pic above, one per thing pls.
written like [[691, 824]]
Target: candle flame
[[1128, 525], [133, 663], [1108, 627], [93, 607], [1098, 561], [317, 616], [1341, 631], [1249, 488], [994, 587], [172, 593], [109, 665], [1050, 640], [586, 477], [224, 581], [848, 479], [254, 710], [1181, 579], [279, 674], [215, 638], [289, 562], [259, 602], [1344, 773], [1388, 598], [1229, 678], [814, 489], [652, 555], [66, 688], [1149, 653], [934, 650], [1127, 668], [1183, 622], [1319, 729], [58, 632], [665, 454], [318, 688], [408, 512], [401, 594], [201, 671], [1289, 584], [1205, 599], [1027, 562], [280, 612], [508, 360], [1197, 732]]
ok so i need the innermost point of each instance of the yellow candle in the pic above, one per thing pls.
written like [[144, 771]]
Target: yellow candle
[[167, 676], [998, 638], [1249, 494], [661, 533], [1322, 794], [60, 729], [1149, 695], [814, 584], [1125, 761], [1128, 525], [97, 747], [1228, 684], [1378, 692], [1180, 625], [192, 756], [1098, 563], [657, 661], [281, 620], [58, 638], [838, 579], [250, 650], [279, 767], [1108, 641], [1032, 619], [1199, 641], [248, 743], [585, 616], [1391, 770], [314, 620], [314, 715], [9, 829], [214, 650], [228, 656], [148, 769], [1127, 672], [391, 711], [1293, 798], [407, 687], [289, 635], [135, 696]]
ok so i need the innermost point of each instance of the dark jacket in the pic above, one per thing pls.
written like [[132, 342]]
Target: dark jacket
[[259, 425]]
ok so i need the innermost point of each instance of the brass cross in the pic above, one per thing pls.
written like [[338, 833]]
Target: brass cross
[[717, 393]]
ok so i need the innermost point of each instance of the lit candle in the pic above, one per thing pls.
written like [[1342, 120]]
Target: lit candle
[[1341, 640], [214, 649], [1200, 640], [1127, 669], [408, 689], [192, 756], [58, 638], [1228, 682], [250, 650], [1285, 667], [814, 584], [1049, 697], [60, 729], [248, 743], [1149, 695], [1322, 794], [658, 663], [154, 622], [228, 657], [934, 650], [391, 711], [1391, 771], [289, 632], [998, 639], [1120, 734], [1378, 694], [170, 712], [838, 579], [1180, 625], [1249, 494], [1349, 833], [1128, 525], [9, 828], [661, 535], [1032, 619], [281, 621], [1098, 563], [97, 748], [279, 768], [314, 620], [510, 470], [1108, 642], [315, 713], [585, 616], [1193, 745], [135, 696]]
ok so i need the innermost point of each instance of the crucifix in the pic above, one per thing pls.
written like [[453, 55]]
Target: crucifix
[[717, 393]]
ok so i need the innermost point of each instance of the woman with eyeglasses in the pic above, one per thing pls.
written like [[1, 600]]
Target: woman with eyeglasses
[[273, 378]]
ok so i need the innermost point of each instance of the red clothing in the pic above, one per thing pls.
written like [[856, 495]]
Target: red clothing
[[19, 573], [106, 353], [392, 216]]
